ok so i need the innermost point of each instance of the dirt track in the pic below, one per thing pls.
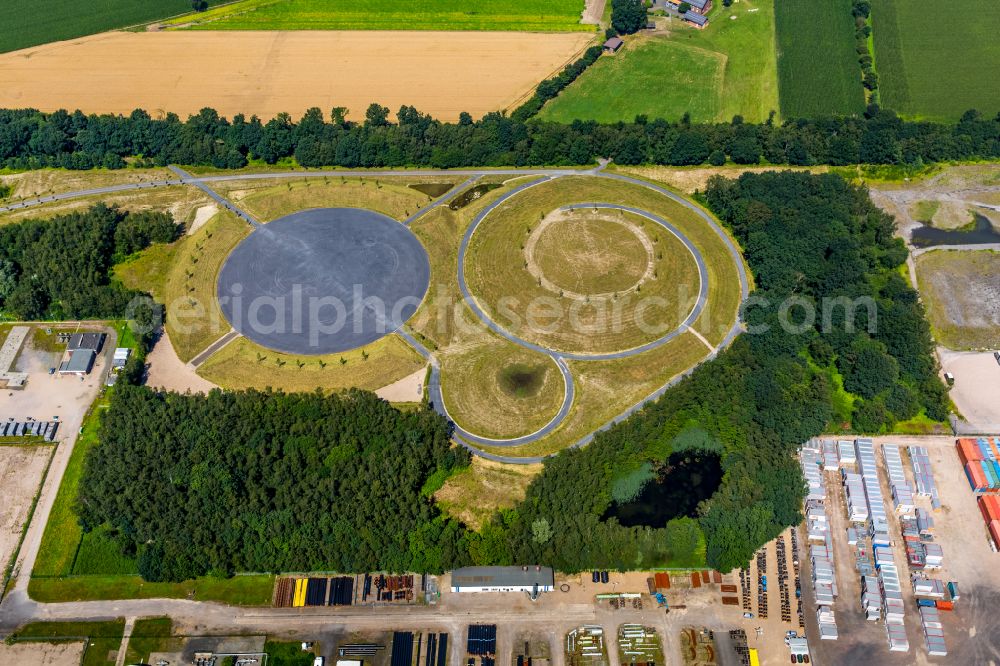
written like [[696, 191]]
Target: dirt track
[[265, 73]]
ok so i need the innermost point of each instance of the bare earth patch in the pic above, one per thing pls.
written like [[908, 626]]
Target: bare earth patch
[[21, 469], [168, 372], [962, 292], [266, 73], [42, 654], [474, 494]]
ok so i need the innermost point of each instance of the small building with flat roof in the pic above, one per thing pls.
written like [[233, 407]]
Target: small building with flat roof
[[533, 579], [81, 362], [92, 341], [613, 44]]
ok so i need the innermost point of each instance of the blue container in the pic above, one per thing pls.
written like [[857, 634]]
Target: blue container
[[988, 471]]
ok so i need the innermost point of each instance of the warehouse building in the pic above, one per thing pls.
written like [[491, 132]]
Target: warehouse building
[[533, 580]]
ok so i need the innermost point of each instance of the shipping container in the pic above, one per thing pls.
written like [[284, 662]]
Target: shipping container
[[945, 605], [993, 481], [977, 479], [995, 532], [968, 451]]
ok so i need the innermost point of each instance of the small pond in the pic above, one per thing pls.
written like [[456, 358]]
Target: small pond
[[680, 484], [980, 233]]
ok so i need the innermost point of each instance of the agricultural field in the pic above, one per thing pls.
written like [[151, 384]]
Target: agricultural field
[[937, 67], [962, 292], [24, 23], [818, 70], [522, 15], [236, 72], [714, 74]]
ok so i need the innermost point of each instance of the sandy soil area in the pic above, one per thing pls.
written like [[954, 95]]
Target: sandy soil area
[[167, 371], [407, 389], [976, 392], [201, 216], [42, 654], [265, 73], [21, 469]]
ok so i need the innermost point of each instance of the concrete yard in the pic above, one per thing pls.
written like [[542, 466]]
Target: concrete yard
[[976, 392], [968, 559]]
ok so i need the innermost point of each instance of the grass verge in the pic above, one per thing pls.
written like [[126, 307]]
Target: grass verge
[[250, 590]]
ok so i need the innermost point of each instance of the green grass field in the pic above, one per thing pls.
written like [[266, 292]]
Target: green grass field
[[238, 591], [656, 77], [532, 15], [150, 635], [724, 70], [818, 70], [934, 65], [25, 23]]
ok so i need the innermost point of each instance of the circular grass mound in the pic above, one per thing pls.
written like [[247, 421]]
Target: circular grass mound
[[583, 255], [498, 390], [591, 280]]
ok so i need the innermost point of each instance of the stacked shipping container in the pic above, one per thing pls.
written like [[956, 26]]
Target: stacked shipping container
[[980, 458]]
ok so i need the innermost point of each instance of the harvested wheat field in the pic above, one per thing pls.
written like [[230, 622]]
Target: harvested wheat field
[[266, 73]]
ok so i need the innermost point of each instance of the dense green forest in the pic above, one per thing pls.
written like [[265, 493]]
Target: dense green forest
[[60, 268], [263, 481], [270, 482], [31, 139]]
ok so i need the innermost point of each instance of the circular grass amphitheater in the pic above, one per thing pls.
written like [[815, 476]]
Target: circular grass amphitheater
[[547, 306]]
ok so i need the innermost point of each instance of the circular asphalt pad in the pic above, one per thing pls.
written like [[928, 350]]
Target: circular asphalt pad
[[324, 281]]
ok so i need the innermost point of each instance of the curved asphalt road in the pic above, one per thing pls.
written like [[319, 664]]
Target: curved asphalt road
[[434, 386]]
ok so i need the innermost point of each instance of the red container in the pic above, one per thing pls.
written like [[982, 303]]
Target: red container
[[968, 451], [945, 605], [995, 532], [991, 507], [977, 478]]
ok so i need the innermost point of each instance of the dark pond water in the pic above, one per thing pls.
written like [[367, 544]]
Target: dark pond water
[[981, 234], [686, 479]]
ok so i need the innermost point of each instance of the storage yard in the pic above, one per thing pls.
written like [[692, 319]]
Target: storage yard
[[356, 590], [899, 567]]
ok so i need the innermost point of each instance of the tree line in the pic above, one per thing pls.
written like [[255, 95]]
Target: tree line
[[31, 139], [61, 268]]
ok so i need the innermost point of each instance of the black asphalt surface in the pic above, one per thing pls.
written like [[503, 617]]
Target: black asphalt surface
[[324, 281]]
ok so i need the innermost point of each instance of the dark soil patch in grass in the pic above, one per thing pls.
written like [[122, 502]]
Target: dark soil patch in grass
[[432, 189], [521, 380], [471, 194]]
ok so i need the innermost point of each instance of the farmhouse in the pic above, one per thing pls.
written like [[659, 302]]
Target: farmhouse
[[613, 44], [533, 580], [697, 6], [697, 20]]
